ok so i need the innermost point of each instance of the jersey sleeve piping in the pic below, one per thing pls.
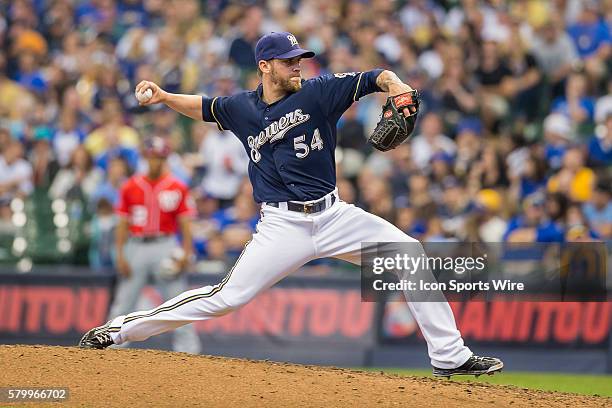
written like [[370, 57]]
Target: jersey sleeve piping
[[357, 87], [212, 110]]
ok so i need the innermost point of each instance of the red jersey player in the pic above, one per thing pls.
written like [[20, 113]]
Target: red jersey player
[[152, 208]]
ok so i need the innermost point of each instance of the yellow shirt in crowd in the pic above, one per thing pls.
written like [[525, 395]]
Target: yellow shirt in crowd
[[581, 185], [96, 142]]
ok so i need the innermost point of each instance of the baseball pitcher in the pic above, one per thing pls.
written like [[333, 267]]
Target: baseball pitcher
[[288, 128]]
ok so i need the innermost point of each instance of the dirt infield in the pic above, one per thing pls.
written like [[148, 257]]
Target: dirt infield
[[149, 378]]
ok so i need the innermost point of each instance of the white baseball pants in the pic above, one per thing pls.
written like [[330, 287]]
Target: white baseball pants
[[284, 241]]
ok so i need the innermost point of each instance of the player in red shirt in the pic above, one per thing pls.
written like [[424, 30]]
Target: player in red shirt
[[152, 208]]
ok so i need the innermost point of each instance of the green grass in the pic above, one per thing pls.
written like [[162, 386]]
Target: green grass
[[576, 383]]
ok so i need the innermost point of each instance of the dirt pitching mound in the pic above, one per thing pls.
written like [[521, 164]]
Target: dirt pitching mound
[[150, 378]]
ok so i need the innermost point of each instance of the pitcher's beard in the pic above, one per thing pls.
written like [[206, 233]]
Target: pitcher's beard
[[286, 84]]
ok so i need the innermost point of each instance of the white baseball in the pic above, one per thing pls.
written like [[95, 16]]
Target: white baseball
[[144, 96]]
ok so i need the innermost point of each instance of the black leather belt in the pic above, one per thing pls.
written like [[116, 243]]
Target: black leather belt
[[306, 208]]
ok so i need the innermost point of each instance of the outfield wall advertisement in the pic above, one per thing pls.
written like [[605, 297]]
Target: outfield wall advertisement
[[311, 315], [512, 323]]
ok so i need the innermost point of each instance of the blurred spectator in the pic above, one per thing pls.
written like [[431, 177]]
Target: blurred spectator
[[591, 35], [206, 222], [430, 60], [555, 53], [29, 74], [101, 250], [457, 92], [574, 179], [489, 171], [603, 105], [402, 169], [13, 97], [351, 131], [176, 73], [485, 222], [493, 74], [44, 164], [226, 164], [15, 172], [533, 225], [116, 151], [242, 49], [531, 179], [79, 179], [109, 190], [7, 227], [419, 191], [598, 210], [419, 15], [517, 151], [67, 137], [524, 88], [224, 82], [407, 220], [113, 133], [600, 145], [557, 135], [577, 105], [216, 260], [454, 208], [346, 190], [441, 169], [577, 226], [242, 214], [137, 46], [72, 100], [237, 224], [58, 23], [5, 138], [469, 144], [69, 59], [376, 197], [436, 232], [430, 141], [555, 206], [110, 86]]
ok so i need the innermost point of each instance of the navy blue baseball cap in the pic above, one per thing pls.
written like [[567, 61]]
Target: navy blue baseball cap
[[281, 45]]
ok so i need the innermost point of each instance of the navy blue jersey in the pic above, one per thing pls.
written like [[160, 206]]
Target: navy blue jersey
[[291, 142]]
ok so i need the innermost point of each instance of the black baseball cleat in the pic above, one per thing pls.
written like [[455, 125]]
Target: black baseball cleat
[[475, 365], [97, 338]]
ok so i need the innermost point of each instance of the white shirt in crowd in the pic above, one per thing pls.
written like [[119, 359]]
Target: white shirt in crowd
[[423, 148], [226, 164], [64, 144], [20, 171]]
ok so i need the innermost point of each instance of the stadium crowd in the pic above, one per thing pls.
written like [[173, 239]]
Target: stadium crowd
[[514, 141]]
